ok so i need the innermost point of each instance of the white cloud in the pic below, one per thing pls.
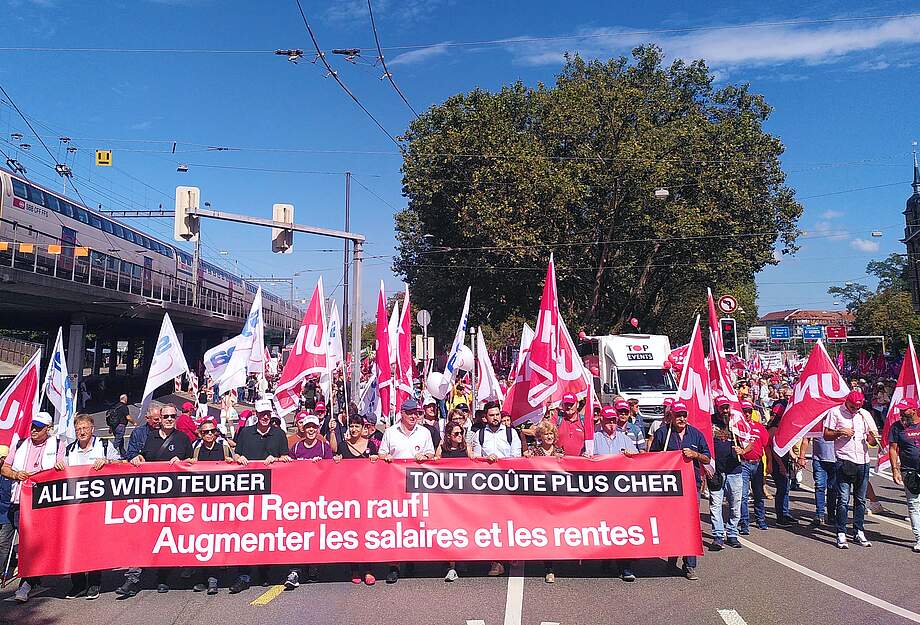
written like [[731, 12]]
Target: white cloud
[[750, 44], [826, 230], [777, 255], [402, 11], [864, 245], [420, 55], [831, 214]]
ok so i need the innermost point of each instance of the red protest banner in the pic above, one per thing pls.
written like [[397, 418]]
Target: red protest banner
[[214, 514]]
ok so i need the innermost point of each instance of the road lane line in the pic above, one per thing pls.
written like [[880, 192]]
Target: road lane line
[[514, 603], [877, 517], [549, 623], [478, 622], [266, 597], [833, 583], [731, 617]]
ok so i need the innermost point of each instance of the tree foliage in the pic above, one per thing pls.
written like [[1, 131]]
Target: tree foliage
[[888, 310], [497, 181]]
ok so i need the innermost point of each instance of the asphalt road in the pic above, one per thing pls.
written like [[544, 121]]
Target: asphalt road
[[781, 577]]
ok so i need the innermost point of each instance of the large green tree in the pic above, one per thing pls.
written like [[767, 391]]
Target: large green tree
[[888, 310], [497, 181]]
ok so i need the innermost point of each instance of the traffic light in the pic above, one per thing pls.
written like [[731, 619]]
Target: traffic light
[[186, 226], [729, 336], [282, 238]]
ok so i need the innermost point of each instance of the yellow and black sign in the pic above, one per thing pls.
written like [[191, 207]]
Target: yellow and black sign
[[104, 158]]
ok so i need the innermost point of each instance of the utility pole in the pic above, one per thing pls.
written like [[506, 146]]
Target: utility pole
[[196, 271], [357, 254], [345, 258]]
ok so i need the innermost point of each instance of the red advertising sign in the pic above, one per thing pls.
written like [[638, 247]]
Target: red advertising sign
[[835, 333], [215, 514]]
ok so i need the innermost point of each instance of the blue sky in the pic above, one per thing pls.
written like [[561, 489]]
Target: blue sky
[[844, 90]]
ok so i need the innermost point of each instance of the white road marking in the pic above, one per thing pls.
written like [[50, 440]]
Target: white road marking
[[549, 623], [514, 604], [731, 617], [876, 517], [468, 622], [833, 583]]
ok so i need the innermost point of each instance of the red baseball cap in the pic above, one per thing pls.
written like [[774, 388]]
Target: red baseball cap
[[679, 406], [621, 404], [667, 403], [609, 413], [722, 400], [906, 404], [569, 398], [856, 397], [188, 406], [320, 406], [745, 405], [204, 420]]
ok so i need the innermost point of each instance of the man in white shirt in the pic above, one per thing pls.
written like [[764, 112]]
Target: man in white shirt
[[853, 430], [29, 456], [98, 452], [492, 442], [406, 439], [496, 440]]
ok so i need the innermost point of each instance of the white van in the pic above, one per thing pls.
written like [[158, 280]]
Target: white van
[[632, 365]]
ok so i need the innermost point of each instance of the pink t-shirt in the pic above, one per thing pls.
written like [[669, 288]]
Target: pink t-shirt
[[853, 448], [571, 437]]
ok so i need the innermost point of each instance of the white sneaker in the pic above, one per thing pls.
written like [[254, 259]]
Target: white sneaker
[[842, 541], [917, 547], [862, 540], [452, 574], [22, 593], [292, 581]]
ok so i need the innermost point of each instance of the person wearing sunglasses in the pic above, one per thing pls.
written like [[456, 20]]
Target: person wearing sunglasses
[[211, 447], [29, 456], [354, 446], [166, 445], [453, 446]]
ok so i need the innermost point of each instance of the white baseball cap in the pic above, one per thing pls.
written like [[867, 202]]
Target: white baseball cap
[[42, 418], [263, 405]]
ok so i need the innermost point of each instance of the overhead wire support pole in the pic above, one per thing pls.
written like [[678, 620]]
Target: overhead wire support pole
[[345, 259], [322, 57], [386, 72]]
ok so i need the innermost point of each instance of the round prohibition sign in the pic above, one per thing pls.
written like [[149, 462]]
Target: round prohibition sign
[[727, 304]]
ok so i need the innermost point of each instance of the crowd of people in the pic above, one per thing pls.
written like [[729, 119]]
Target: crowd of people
[[733, 475]]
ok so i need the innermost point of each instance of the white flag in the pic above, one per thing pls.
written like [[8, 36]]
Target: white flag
[[59, 390], [249, 354], [450, 369], [369, 403], [168, 362], [335, 351], [489, 389], [217, 358]]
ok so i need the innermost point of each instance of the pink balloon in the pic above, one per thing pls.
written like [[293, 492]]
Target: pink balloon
[[667, 365], [634, 322], [582, 336]]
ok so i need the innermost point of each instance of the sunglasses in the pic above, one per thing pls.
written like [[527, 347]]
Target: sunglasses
[[204, 432], [168, 416], [38, 426], [460, 433]]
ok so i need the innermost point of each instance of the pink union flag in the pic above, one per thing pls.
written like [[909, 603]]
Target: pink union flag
[[544, 348], [19, 402], [382, 358], [308, 356], [820, 388], [693, 387], [906, 388]]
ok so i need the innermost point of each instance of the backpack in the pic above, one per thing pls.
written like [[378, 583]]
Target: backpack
[[508, 433], [105, 447], [110, 419]]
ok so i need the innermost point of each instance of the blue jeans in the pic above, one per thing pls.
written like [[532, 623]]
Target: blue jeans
[[857, 486], [732, 491], [913, 509], [825, 474], [781, 499], [119, 435], [752, 475]]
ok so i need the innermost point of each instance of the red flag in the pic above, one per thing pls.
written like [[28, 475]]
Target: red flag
[[906, 388], [820, 388], [693, 388], [544, 348], [720, 382], [840, 361], [382, 358], [677, 357], [308, 356], [405, 366], [19, 402]]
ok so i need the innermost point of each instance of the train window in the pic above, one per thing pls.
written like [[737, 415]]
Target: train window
[[147, 244], [66, 208], [107, 226], [95, 221], [168, 251], [19, 188], [118, 231], [52, 203], [111, 263], [36, 196], [129, 236], [125, 267], [80, 215]]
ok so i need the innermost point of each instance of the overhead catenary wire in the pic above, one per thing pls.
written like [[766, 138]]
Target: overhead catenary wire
[[322, 57], [383, 62]]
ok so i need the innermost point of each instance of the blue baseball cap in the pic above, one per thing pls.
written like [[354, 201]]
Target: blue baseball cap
[[409, 405]]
